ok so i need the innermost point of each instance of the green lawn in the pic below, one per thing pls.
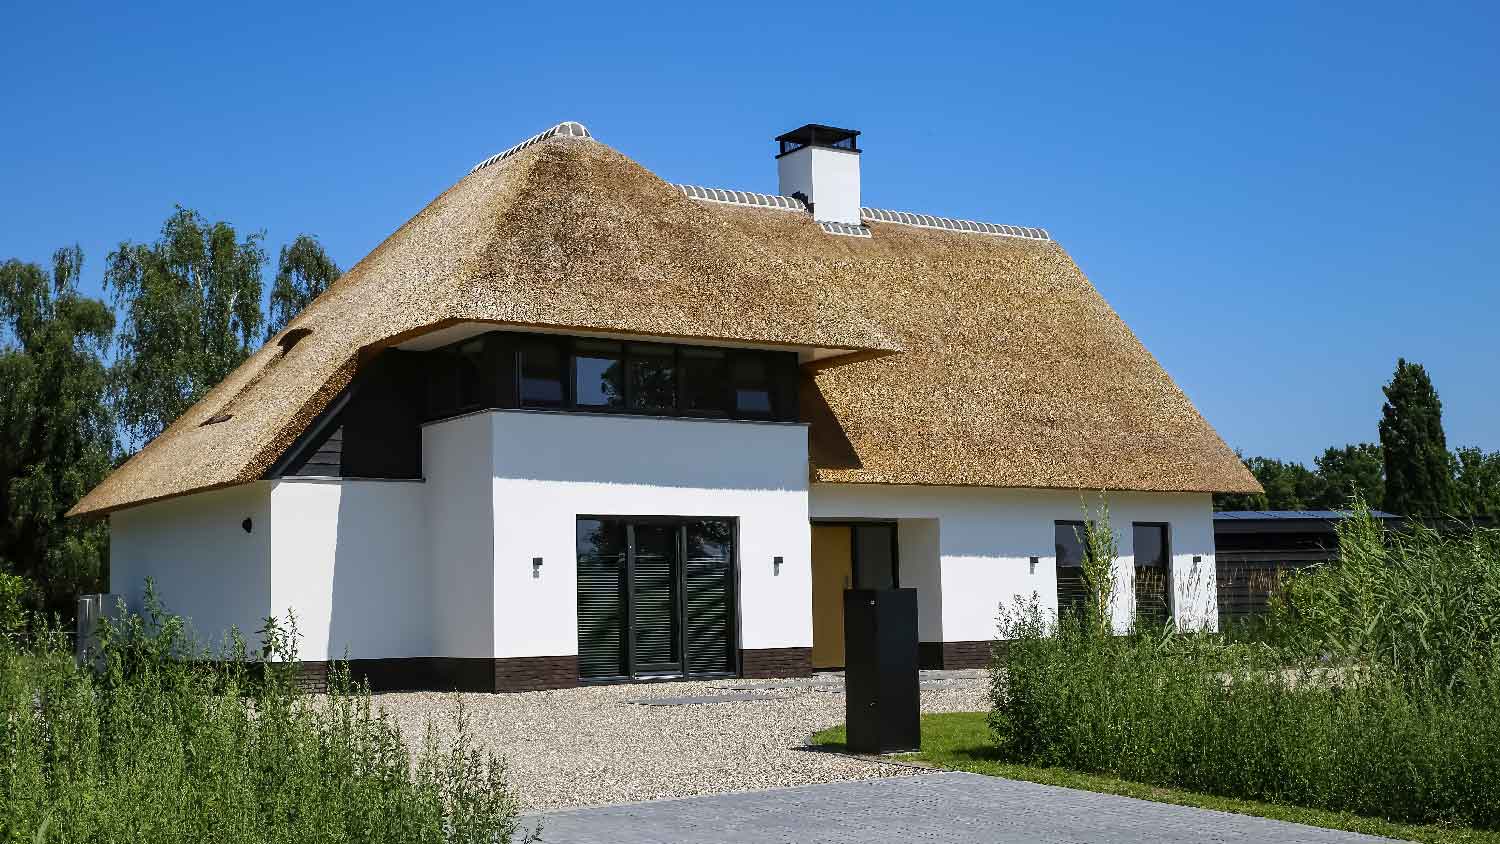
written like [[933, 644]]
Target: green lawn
[[961, 742]]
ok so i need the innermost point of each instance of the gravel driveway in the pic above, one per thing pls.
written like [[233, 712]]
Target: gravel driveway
[[598, 745]]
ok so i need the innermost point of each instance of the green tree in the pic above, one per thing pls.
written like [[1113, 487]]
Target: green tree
[[1418, 468], [1476, 477], [1352, 471], [57, 435], [1287, 484], [303, 272], [191, 308]]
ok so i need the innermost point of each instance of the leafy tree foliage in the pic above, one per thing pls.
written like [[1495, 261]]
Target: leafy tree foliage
[[57, 435], [1354, 471], [1418, 468], [1476, 478], [1288, 485], [191, 308], [303, 272]]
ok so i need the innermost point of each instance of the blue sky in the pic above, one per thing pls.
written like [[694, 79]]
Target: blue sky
[[1279, 199]]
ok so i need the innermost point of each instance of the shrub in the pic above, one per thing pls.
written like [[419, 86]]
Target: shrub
[[165, 745], [12, 608], [1368, 700], [1422, 602]]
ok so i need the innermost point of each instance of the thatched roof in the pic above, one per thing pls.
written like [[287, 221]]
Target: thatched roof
[[973, 359]]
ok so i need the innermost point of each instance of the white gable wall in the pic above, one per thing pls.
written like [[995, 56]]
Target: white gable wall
[[204, 565], [350, 560], [550, 468], [460, 561], [986, 537]]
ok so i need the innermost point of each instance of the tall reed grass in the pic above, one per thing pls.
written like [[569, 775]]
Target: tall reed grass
[[164, 745], [1377, 692]]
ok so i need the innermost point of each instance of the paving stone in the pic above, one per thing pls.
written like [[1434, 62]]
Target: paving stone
[[956, 808]]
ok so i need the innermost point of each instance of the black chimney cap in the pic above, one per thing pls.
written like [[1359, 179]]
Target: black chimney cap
[[818, 135]]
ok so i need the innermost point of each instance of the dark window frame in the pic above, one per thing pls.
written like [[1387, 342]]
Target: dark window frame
[[1077, 605], [571, 402], [565, 377], [1166, 565], [505, 352], [679, 525]]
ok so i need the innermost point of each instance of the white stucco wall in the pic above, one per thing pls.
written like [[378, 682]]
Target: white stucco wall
[[204, 565], [985, 538], [349, 557], [457, 464], [550, 468]]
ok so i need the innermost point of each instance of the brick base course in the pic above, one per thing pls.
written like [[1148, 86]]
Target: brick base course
[[951, 655], [535, 673], [763, 663], [516, 674]]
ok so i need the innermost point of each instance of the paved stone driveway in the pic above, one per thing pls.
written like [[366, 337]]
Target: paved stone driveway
[[955, 808]]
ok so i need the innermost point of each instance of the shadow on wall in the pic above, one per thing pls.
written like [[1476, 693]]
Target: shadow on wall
[[379, 604]]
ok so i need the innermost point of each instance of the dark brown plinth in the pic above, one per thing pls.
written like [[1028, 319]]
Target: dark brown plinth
[[763, 663]]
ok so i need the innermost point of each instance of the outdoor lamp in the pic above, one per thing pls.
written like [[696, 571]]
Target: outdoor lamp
[[536, 567]]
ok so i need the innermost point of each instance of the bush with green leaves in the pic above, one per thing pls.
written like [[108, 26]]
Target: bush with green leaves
[[1380, 695], [166, 745]]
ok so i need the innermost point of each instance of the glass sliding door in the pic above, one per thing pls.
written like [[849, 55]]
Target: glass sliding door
[[655, 597], [602, 567], [708, 589], [655, 631]]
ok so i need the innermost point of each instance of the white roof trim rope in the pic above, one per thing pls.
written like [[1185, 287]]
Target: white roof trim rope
[[567, 129], [742, 197], [928, 221], [845, 229], [879, 215]]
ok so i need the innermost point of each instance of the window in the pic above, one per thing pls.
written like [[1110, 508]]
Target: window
[[752, 385], [1153, 574], [599, 374], [653, 378], [703, 384], [1072, 589], [874, 557], [541, 365]]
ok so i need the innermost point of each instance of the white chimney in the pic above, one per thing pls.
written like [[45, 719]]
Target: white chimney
[[820, 165]]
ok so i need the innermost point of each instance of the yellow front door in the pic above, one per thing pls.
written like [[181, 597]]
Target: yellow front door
[[832, 571]]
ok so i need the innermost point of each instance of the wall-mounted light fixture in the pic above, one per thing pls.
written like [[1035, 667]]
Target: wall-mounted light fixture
[[1034, 561], [247, 525], [776, 566], [536, 567]]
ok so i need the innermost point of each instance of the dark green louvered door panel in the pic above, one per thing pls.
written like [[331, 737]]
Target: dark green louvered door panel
[[601, 598], [654, 589], [708, 583], [655, 597]]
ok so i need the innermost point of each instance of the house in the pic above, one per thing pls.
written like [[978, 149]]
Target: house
[[1255, 549], [574, 423]]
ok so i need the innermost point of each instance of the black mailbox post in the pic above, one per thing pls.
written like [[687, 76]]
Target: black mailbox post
[[883, 698]]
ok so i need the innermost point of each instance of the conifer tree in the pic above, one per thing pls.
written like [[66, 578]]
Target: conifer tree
[[1418, 467]]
